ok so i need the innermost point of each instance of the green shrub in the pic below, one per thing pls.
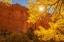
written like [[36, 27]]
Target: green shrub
[[30, 33], [18, 38], [35, 39]]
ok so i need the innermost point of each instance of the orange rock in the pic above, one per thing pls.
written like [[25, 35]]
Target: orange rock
[[14, 18]]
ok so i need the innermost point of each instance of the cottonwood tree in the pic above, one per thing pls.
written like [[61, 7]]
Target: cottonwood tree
[[39, 8]]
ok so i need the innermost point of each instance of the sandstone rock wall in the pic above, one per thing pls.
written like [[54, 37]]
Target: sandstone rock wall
[[14, 18]]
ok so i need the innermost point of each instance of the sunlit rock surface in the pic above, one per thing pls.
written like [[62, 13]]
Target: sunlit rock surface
[[14, 18]]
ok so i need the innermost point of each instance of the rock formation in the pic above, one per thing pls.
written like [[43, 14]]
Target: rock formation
[[14, 18]]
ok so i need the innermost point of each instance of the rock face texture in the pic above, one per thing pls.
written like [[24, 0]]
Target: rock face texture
[[14, 18]]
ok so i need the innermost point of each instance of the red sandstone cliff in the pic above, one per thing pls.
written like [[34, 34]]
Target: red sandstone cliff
[[13, 18]]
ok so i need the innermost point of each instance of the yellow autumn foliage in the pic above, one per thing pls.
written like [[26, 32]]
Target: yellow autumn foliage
[[56, 30], [7, 1], [49, 34]]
